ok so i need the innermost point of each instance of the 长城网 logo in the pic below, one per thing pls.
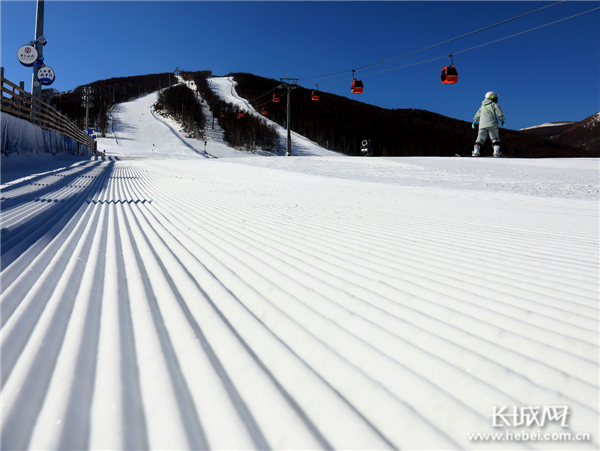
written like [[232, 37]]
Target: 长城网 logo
[[530, 424], [529, 416]]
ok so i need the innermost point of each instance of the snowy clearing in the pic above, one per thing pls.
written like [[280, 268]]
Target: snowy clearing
[[160, 298], [548, 124]]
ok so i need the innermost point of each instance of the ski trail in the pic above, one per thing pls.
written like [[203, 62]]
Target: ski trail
[[224, 87], [179, 302]]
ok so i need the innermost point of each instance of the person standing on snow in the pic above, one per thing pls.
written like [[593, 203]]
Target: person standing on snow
[[487, 117]]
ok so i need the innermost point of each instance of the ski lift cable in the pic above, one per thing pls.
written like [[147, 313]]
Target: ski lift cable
[[527, 31], [268, 101], [266, 93], [432, 46], [262, 95], [467, 50]]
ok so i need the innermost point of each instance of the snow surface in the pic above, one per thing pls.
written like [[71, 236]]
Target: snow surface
[[160, 298], [594, 121], [549, 124]]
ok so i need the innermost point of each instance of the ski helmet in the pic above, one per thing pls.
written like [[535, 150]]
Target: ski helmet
[[491, 95]]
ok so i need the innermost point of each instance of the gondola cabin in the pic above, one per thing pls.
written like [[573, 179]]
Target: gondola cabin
[[315, 96], [241, 114], [357, 87], [275, 98], [449, 75], [264, 112], [222, 114]]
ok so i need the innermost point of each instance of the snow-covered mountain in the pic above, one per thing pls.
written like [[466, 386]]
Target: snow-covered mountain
[[137, 130], [584, 134], [164, 298]]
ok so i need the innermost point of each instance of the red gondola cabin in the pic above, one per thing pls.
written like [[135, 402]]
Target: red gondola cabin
[[449, 75], [315, 96], [357, 87], [275, 98], [264, 111]]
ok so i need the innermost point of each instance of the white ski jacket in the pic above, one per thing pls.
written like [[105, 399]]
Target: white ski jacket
[[486, 115]]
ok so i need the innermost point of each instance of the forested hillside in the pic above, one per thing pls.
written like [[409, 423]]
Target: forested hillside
[[247, 132], [180, 103], [341, 124], [107, 93], [584, 134], [335, 122]]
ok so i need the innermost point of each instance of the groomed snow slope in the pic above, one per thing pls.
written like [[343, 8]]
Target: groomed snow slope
[[224, 87], [138, 131], [184, 302]]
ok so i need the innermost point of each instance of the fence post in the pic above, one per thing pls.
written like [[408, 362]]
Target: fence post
[[1, 78], [21, 102]]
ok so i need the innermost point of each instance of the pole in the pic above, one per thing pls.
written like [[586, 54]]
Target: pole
[[39, 31], [289, 86], [288, 150], [87, 90], [36, 87]]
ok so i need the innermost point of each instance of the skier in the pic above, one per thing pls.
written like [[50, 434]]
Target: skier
[[487, 117]]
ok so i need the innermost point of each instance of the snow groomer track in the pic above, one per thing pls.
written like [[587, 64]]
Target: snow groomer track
[[233, 304]]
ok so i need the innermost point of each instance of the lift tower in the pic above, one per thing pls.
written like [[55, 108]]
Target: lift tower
[[285, 84]]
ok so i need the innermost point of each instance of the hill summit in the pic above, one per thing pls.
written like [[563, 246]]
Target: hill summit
[[584, 134]]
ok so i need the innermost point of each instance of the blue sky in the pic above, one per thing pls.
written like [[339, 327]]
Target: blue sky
[[550, 74]]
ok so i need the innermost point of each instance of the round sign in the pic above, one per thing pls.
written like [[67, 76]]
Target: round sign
[[46, 75], [27, 55]]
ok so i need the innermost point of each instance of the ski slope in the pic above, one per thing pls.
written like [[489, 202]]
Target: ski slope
[[224, 87], [160, 298]]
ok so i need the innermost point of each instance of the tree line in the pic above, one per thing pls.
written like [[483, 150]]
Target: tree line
[[180, 103], [247, 132]]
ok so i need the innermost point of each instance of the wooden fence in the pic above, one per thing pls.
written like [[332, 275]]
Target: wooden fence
[[25, 106]]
